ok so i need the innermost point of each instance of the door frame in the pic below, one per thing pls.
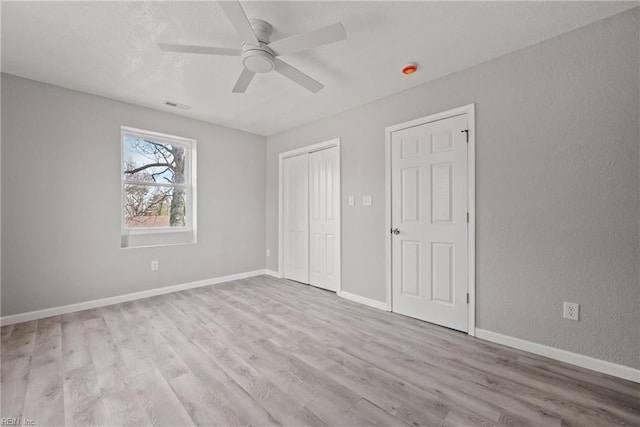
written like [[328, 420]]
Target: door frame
[[298, 151], [470, 111]]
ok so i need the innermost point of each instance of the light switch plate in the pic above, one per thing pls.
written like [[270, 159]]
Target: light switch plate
[[366, 200], [352, 201]]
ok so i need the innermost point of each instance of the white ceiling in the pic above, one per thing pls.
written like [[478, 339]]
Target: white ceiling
[[108, 48]]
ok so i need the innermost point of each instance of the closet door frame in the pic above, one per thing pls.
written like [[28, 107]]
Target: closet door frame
[[298, 151]]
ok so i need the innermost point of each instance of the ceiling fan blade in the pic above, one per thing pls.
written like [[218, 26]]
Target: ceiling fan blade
[[238, 18], [332, 33], [297, 76], [243, 81], [181, 48]]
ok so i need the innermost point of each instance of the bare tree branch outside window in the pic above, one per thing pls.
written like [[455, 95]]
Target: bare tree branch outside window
[[154, 191]]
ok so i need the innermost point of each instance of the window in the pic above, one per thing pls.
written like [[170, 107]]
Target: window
[[158, 188]]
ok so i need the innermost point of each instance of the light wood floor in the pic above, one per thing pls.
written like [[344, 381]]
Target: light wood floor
[[265, 351]]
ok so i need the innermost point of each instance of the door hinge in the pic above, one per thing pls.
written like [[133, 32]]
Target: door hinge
[[467, 298], [466, 131], [467, 217]]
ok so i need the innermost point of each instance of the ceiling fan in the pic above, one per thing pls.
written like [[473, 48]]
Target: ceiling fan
[[259, 54]]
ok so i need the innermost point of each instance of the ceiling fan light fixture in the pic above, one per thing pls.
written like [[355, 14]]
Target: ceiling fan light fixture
[[257, 60]]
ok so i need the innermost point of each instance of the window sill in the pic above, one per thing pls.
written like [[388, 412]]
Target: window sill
[[160, 238]]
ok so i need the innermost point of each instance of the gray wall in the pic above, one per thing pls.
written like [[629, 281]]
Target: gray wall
[[557, 187], [61, 200]]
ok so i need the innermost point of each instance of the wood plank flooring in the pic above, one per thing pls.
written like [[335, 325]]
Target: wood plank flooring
[[266, 351]]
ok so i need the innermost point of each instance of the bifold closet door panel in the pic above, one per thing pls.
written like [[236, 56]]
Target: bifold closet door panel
[[296, 218], [324, 218]]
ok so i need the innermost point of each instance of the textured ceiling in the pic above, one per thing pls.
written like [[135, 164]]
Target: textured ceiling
[[108, 48]]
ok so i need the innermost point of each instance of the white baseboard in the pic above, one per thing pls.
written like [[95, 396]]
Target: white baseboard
[[620, 371], [363, 300], [64, 309], [272, 273]]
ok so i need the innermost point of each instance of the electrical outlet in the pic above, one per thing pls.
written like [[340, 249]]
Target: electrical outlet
[[154, 265], [366, 201], [571, 310], [268, 252]]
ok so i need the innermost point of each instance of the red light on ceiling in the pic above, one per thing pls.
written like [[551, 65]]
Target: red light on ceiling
[[410, 69]]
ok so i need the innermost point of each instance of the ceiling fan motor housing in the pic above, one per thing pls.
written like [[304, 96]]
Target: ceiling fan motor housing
[[259, 59]]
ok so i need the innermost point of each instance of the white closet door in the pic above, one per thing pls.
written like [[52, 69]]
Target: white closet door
[[324, 218], [296, 218]]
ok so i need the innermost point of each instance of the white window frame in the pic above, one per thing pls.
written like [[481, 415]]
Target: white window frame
[[189, 185]]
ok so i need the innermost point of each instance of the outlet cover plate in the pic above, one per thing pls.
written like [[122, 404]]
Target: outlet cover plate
[[571, 310]]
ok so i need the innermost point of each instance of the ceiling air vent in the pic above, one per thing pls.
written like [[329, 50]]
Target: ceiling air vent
[[176, 105]]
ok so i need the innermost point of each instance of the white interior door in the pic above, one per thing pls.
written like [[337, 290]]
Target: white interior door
[[324, 206], [296, 218], [429, 214]]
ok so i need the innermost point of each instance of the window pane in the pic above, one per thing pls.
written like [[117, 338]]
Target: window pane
[[148, 206], [146, 160]]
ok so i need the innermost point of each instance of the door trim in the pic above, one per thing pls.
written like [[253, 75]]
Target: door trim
[[281, 157], [470, 111]]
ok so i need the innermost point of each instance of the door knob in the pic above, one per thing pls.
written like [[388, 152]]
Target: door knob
[[396, 231]]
